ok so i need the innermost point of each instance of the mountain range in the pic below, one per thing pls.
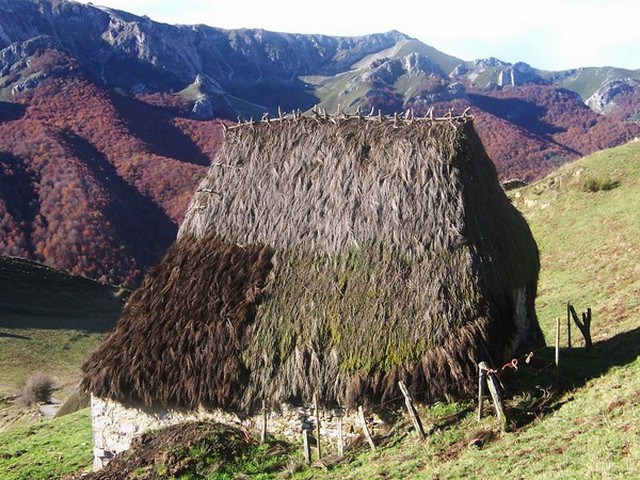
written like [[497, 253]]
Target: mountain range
[[109, 120]]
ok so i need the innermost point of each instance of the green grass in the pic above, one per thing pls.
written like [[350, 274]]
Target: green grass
[[47, 449], [593, 435]]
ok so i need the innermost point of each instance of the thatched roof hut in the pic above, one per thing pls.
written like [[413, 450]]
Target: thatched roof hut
[[333, 255]]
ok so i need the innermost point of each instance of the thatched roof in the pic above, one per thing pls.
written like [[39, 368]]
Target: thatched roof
[[336, 256]]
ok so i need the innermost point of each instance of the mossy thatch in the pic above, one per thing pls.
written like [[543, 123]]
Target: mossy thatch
[[330, 256]]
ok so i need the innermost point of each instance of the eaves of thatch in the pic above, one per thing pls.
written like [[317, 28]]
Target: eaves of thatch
[[335, 256]]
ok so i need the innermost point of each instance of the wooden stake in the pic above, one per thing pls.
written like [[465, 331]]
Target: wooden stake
[[557, 342], [557, 359], [494, 389], [305, 446], [340, 437], [317, 413], [263, 432], [586, 320], [584, 326], [568, 325], [365, 429], [482, 383], [417, 424]]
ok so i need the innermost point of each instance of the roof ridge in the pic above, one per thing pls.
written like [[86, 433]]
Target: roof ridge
[[321, 115]]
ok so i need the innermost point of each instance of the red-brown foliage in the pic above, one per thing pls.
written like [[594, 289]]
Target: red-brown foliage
[[97, 183], [530, 130]]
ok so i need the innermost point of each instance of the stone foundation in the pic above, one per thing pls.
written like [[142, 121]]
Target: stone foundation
[[115, 425]]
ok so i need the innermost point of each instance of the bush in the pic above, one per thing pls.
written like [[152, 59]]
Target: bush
[[37, 389], [597, 184]]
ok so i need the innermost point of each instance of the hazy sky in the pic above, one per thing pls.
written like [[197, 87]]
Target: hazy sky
[[547, 34]]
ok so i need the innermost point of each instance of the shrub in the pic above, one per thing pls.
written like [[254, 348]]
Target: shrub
[[37, 389], [597, 184]]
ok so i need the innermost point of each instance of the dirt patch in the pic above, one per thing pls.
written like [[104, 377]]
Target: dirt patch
[[478, 439]]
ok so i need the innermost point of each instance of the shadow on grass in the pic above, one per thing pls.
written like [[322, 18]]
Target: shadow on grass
[[35, 296], [540, 388], [11, 335], [578, 365]]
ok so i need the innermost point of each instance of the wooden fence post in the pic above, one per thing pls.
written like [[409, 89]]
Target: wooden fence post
[[584, 326], [340, 437], [305, 446], [482, 382], [263, 431], [557, 356], [586, 321], [417, 424], [494, 389], [317, 413], [568, 324], [365, 429]]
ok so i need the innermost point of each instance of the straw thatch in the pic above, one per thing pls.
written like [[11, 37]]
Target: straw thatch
[[336, 256]]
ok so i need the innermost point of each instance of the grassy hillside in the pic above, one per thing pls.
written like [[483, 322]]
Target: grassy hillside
[[48, 449], [49, 321], [586, 219]]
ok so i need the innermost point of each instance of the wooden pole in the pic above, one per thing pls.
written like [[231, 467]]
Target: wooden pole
[[340, 437], [586, 319], [417, 424], [305, 446], [365, 429], [494, 389], [317, 414], [263, 431], [482, 383], [557, 359], [568, 325]]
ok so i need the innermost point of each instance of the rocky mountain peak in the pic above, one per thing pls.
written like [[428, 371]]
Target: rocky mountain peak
[[604, 100], [517, 74], [416, 63]]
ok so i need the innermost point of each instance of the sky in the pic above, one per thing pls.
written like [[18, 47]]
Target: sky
[[546, 34]]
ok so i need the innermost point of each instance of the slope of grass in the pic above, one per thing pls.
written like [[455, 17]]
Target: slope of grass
[[589, 239], [47, 449], [49, 321]]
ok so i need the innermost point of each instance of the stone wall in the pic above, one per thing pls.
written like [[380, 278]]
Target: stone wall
[[115, 426]]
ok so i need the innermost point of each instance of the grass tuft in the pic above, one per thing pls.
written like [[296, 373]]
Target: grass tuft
[[599, 184]]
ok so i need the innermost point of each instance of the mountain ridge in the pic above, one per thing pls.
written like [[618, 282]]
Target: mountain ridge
[[109, 38]]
